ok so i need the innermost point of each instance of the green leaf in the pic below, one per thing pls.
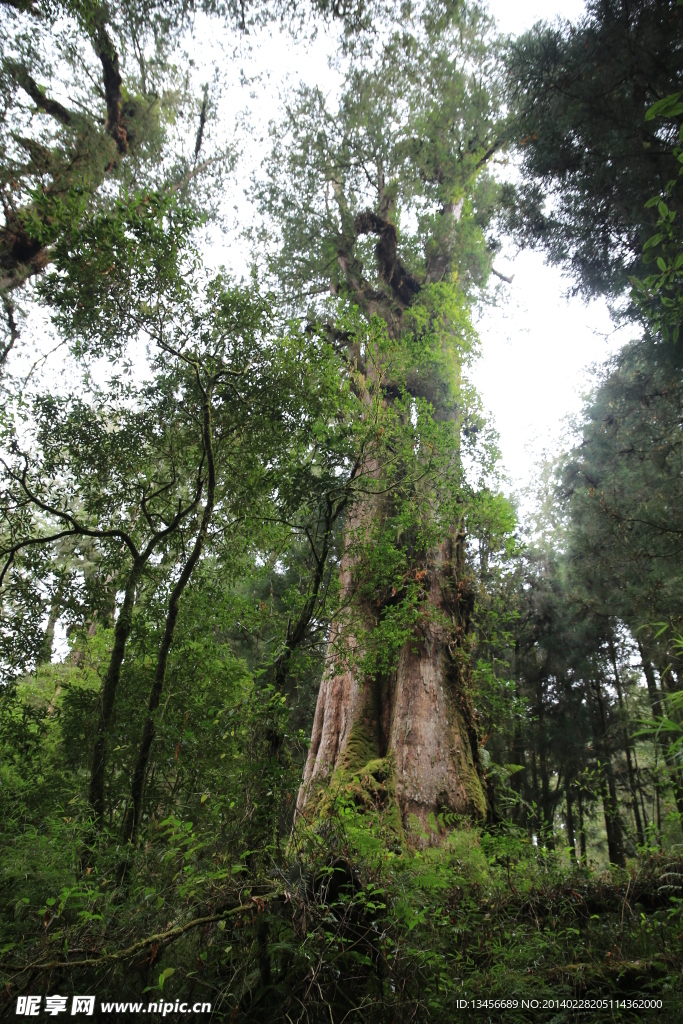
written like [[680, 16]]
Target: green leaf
[[167, 973], [668, 106]]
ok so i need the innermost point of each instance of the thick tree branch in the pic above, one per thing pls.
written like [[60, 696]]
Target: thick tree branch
[[111, 73], [404, 286], [202, 122], [13, 329], [55, 109]]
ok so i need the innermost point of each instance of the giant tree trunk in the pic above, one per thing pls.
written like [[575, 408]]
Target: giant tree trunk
[[419, 717], [411, 734]]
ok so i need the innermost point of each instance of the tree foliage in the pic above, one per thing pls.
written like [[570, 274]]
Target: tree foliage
[[232, 469], [591, 156]]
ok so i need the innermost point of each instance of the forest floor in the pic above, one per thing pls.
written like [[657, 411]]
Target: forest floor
[[484, 927]]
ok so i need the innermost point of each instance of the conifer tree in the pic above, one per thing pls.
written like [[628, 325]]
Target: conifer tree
[[581, 96]]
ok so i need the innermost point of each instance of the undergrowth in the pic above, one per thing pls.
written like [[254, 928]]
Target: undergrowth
[[336, 926]]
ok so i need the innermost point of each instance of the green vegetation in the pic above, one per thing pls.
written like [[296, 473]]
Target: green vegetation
[[242, 495]]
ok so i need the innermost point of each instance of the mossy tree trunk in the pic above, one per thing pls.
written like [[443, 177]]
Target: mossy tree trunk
[[418, 719]]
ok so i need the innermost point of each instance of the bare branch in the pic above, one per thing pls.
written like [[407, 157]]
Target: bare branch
[[13, 329]]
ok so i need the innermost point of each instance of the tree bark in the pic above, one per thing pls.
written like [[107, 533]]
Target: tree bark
[[419, 718], [608, 792], [582, 831], [546, 798], [45, 653], [109, 687], [627, 747], [570, 820], [658, 713]]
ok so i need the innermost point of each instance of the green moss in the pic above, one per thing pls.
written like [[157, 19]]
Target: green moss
[[363, 745], [365, 781], [366, 792], [467, 772], [476, 799]]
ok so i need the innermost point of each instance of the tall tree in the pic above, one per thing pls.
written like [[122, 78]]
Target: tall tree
[[382, 205], [621, 484], [98, 103]]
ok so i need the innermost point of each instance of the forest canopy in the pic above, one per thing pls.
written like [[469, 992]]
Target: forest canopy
[[301, 718]]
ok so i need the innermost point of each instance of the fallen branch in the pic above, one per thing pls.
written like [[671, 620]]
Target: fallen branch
[[161, 938]]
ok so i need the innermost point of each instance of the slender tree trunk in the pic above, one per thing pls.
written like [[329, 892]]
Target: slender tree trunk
[[616, 855], [627, 747], [655, 697], [45, 654], [108, 692], [582, 831], [569, 820], [546, 798], [640, 792], [659, 813], [608, 791], [535, 795], [518, 781], [131, 819]]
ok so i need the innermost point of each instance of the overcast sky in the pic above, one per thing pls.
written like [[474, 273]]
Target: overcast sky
[[537, 344]]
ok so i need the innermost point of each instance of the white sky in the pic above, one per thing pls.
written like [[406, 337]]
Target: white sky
[[537, 344]]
